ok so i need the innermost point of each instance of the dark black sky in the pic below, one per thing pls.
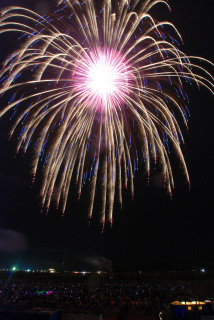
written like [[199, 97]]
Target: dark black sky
[[151, 228]]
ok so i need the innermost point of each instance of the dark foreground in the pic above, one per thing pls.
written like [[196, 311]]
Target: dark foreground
[[97, 296]]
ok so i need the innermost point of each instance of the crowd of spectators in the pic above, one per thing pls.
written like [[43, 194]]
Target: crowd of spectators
[[94, 295]]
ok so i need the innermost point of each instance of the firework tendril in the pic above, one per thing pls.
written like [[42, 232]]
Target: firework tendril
[[96, 91]]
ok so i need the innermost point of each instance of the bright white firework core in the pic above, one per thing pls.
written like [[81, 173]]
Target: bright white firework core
[[102, 79]]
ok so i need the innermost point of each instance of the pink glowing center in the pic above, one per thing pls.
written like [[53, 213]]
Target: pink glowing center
[[102, 79]]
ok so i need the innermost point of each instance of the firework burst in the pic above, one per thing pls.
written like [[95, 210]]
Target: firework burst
[[94, 90]]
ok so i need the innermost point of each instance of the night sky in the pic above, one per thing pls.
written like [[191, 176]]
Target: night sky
[[151, 228]]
